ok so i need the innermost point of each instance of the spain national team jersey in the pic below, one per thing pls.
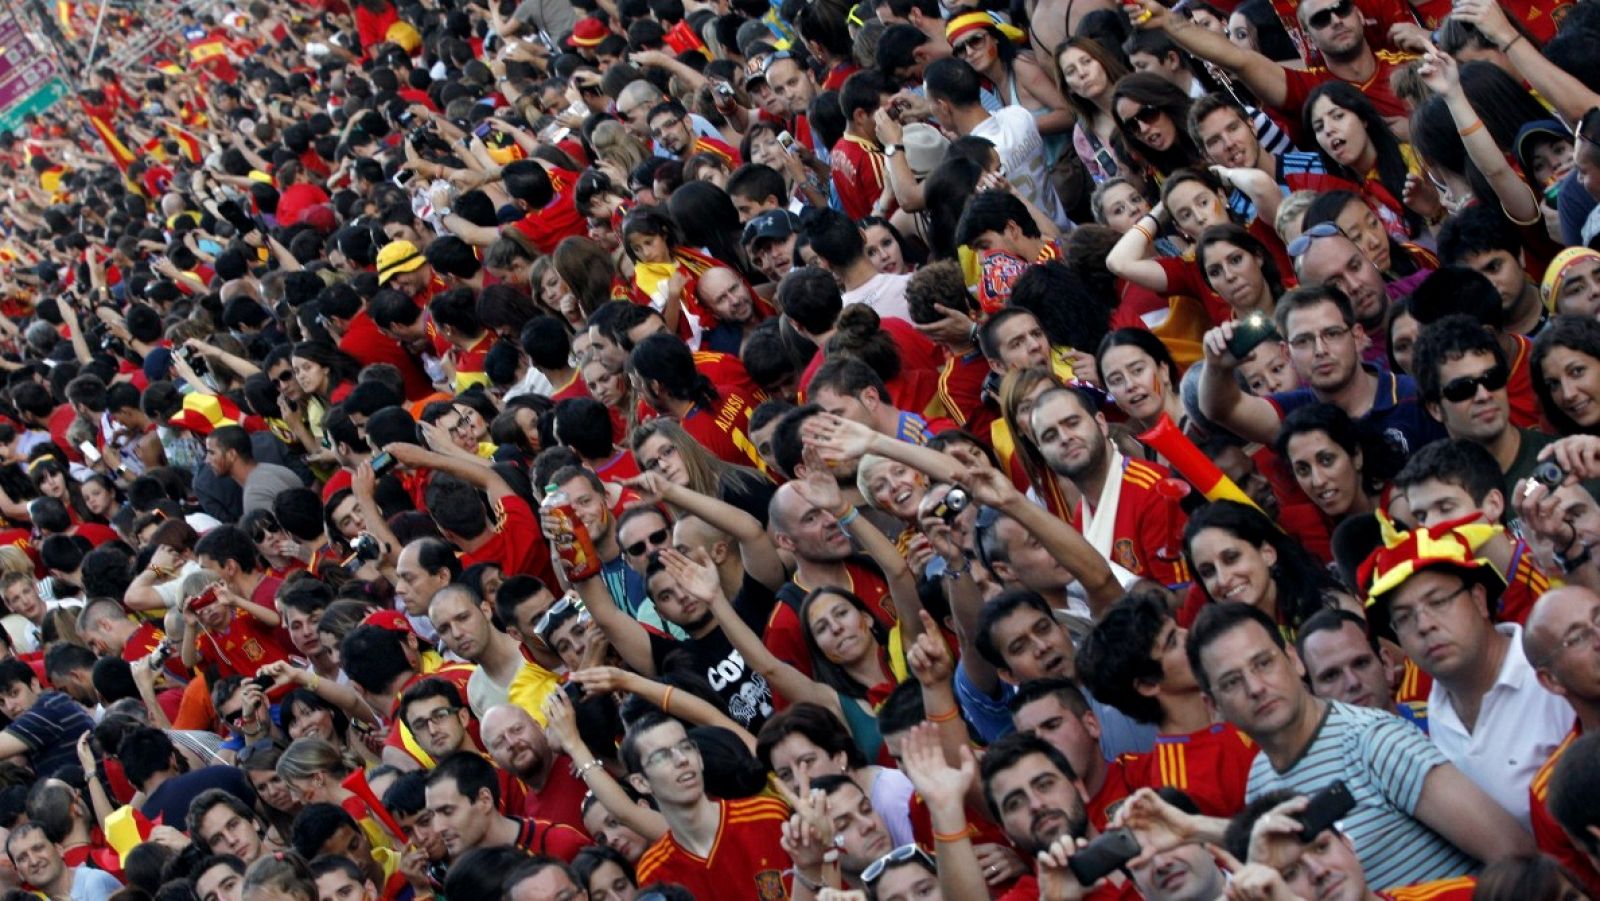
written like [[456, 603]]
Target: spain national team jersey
[[725, 430], [1147, 538], [1519, 388], [1212, 766], [858, 174], [1415, 684], [745, 860], [1524, 585], [1549, 835]]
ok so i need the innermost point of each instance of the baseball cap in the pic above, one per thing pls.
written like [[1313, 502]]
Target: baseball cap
[[770, 225]]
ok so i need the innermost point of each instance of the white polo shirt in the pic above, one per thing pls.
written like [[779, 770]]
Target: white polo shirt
[[1519, 724]]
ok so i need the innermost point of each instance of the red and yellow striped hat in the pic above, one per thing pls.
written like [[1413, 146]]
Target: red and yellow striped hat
[[1448, 545], [966, 23]]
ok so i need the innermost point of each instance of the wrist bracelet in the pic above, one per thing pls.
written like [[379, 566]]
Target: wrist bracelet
[[811, 885], [316, 680], [666, 701], [953, 574], [1508, 44], [949, 837], [1475, 127], [580, 771], [849, 517], [1148, 236], [945, 717]]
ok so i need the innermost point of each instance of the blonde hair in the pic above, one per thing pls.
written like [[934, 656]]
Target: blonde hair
[[14, 559], [613, 143], [307, 757], [1291, 213]]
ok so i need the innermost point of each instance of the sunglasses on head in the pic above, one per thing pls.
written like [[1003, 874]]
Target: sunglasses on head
[[654, 539], [901, 854], [554, 616], [1466, 387], [1322, 18], [1300, 245], [1148, 115]]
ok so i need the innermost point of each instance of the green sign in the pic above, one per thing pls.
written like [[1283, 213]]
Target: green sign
[[35, 101]]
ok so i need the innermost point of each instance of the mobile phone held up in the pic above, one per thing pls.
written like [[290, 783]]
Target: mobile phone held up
[[1325, 808], [203, 600]]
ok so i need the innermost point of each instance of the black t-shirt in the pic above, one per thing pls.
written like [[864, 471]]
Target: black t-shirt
[[743, 690], [170, 800]]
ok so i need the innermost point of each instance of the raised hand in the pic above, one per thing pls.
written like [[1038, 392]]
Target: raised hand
[[1056, 882], [942, 786], [836, 437], [1275, 837], [697, 579], [1440, 72], [929, 657], [599, 679], [560, 722], [818, 488], [1158, 825], [651, 486]]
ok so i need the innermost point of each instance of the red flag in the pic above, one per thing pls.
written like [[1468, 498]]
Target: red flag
[[100, 121]]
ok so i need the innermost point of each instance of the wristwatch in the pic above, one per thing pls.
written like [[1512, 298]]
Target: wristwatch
[[890, 150]]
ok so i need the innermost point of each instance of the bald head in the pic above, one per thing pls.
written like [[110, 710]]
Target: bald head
[[786, 504], [516, 742], [1556, 615], [694, 532]]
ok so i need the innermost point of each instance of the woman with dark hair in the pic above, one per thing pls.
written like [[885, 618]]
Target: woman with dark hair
[[1239, 555], [706, 217], [305, 714], [325, 376], [1566, 363], [991, 47], [859, 333], [1195, 200], [1354, 216], [1151, 114], [1239, 269], [1089, 74], [1356, 144], [259, 761], [1254, 25], [1402, 330], [1324, 450], [1139, 372], [1529, 877], [945, 193], [807, 739], [887, 248], [604, 873], [590, 275], [50, 479]]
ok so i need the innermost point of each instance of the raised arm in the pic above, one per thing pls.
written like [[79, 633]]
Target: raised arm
[[1570, 97], [756, 550], [562, 726], [623, 631], [1265, 78], [1517, 199], [1131, 257], [683, 705], [482, 477], [699, 580], [1224, 402], [944, 787]]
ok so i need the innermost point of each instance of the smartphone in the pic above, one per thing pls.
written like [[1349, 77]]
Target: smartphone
[[1327, 807], [483, 129], [89, 451], [204, 599], [383, 463], [786, 141], [403, 177], [1103, 856]]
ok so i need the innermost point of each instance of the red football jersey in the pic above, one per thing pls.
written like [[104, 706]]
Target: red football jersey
[[961, 392], [1148, 536], [1519, 388], [745, 861], [1212, 766], [725, 431], [1414, 684], [1549, 835], [1460, 888], [858, 174]]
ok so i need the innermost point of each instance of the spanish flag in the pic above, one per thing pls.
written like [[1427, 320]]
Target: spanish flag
[[100, 121], [186, 143]]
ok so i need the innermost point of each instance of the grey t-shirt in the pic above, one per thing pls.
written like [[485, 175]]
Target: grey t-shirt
[[266, 482]]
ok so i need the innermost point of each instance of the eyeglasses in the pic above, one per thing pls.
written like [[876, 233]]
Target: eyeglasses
[[1324, 17], [1585, 634], [1466, 387], [1329, 336], [1299, 246], [901, 854], [655, 539], [234, 719], [421, 723], [686, 749], [1147, 115], [671, 450], [1407, 620], [265, 525]]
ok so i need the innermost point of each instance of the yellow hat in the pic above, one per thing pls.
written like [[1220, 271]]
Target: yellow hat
[[404, 34], [1556, 272], [397, 257]]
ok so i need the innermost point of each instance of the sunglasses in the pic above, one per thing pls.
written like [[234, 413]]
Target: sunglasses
[[654, 539], [966, 46], [285, 376], [901, 854], [553, 617], [264, 526], [1323, 18], [1299, 246], [1147, 115], [1466, 387]]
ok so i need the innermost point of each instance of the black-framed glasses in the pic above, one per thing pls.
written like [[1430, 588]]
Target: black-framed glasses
[[1466, 387], [874, 870], [421, 723], [1299, 246], [1322, 18], [653, 540], [1147, 115], [265, 525]]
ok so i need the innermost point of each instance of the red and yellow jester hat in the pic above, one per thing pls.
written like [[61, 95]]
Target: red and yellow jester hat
[[1448, 545]]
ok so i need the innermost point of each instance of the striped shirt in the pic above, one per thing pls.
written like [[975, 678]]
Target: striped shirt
[[1384, 761]]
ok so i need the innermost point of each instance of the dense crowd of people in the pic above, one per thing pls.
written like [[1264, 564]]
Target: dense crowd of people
[[659, 449]]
